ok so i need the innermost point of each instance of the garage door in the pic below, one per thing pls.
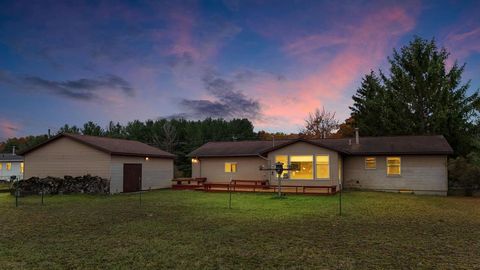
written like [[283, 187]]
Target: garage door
[[132, 177]]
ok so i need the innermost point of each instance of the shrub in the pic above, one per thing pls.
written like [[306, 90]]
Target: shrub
[[464, 172]]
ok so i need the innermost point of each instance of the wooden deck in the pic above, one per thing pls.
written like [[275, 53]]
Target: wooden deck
[[249, 186]]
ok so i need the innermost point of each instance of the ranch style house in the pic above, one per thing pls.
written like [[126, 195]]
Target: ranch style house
[[415, 164]]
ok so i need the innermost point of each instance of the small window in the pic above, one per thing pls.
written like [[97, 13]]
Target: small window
[[323, 167], [394, 166], [22, 167], [1, 164], [230, 167], [370, 163], [9, 166]]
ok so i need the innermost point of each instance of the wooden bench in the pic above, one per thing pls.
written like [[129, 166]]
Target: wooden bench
[[304, 189], [188, 183]]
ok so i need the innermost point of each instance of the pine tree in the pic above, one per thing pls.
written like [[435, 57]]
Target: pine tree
[[419, 96]]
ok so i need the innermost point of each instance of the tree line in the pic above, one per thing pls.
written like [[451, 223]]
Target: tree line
[[177, 136]]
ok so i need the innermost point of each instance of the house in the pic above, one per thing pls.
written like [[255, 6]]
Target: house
[[415, 164], [129, 165], [11, 165]]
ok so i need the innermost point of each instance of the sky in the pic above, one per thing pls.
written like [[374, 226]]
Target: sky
[[270, 61]]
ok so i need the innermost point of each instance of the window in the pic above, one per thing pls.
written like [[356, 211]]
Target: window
[[323, 168], [370, 163], [230, 167], [284, 160], [9, 166], [22, 167], [393, 166], [1, 166], [303, 167]]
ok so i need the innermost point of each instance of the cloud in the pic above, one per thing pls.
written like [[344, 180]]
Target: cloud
[[85, 89], [464, 42], [226, 101], [8, 129], [328, 79]]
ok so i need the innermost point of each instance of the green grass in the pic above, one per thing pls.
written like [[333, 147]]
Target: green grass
[[196, 230], [4, 187]]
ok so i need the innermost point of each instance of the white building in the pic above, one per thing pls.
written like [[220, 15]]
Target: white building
[[11, 165]]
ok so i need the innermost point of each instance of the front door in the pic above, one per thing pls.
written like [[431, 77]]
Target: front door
[[132, 177]]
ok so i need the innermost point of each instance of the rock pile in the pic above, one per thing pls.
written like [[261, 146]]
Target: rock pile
[[53, 185]]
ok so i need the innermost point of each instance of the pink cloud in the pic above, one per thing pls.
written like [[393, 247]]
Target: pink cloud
[[8, 129], [359, 47], [463, 43]]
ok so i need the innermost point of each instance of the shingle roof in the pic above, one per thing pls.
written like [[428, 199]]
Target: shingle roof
[[10, 157], [398, 145], [111, 146]]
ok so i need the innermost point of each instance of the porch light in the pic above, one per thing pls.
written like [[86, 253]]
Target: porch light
[[146, 158], [194, 160]]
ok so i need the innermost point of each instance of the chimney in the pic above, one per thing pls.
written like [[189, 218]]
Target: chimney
[[13, 150], [357, 139]]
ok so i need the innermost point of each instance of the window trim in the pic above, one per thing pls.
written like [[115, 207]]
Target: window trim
[[329, 173], [225, 166], [399, 166], [365, 163]]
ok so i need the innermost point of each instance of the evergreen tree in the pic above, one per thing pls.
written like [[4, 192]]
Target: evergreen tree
[[90, 128], [419, 96]]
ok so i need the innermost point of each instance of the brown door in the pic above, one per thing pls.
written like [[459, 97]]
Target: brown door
[[132, 177]]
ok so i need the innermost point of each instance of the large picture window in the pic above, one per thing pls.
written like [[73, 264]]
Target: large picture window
[[283, 159], [303, 167], [230, 167], [394, 166], [323, 167]]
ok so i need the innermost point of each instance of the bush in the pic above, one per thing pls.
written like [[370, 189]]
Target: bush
[[464, 172], [53, 185]]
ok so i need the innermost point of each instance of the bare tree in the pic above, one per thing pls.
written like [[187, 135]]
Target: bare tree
[[320, 124], [168, 140]]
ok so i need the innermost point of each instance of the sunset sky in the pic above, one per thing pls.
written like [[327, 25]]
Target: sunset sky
[[270, 61]]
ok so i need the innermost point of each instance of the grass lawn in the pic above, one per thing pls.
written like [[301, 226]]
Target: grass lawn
[[196, 230], [4, 187]]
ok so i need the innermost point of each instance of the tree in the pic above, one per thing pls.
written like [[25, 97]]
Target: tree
[[23, 143], [69, 129], [345, 129], [370, 104], [90, 128], [419, 96], [115, 130], [320, 124]]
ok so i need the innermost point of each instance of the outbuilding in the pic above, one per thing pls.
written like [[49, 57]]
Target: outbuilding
[[129, 165]]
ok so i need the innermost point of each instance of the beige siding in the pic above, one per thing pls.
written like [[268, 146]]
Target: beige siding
[[302, 148], [65, 156], [421, 174], [156, 172], [214, 169]]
